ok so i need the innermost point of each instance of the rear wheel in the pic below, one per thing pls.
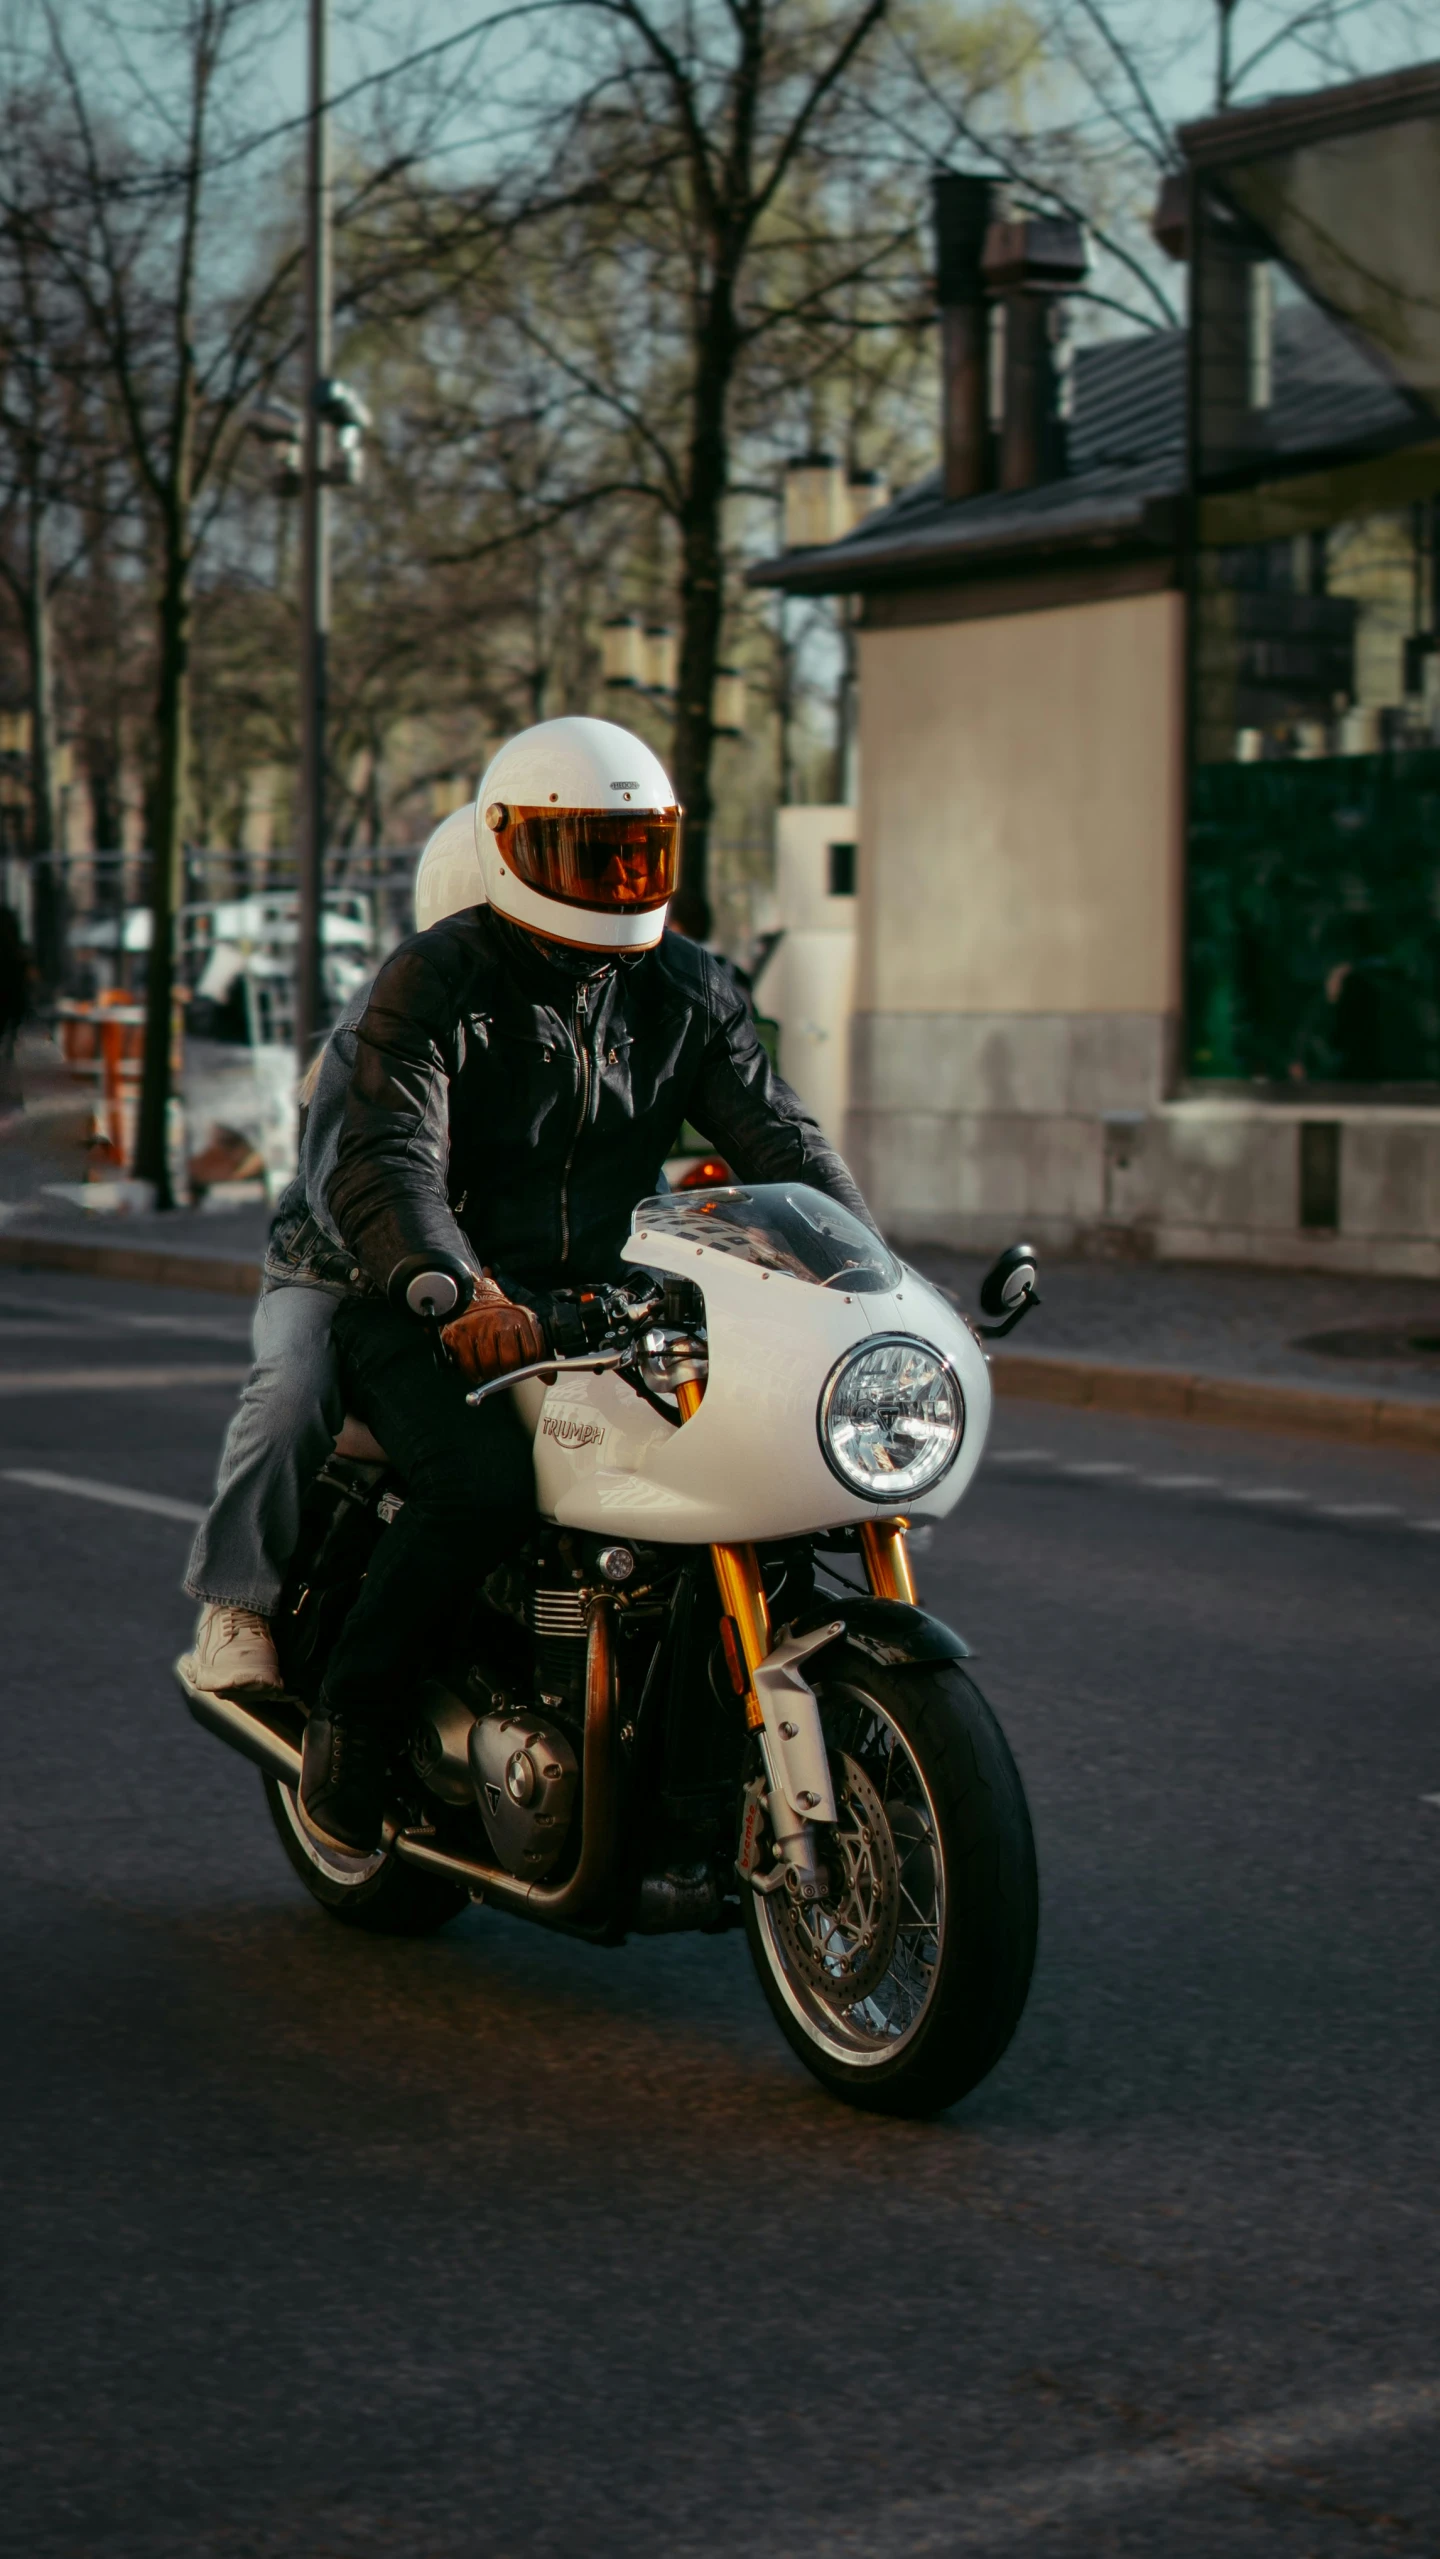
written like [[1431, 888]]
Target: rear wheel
[[901, 1988], [378, 1893]]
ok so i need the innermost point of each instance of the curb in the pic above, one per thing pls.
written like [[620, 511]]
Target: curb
[[205, 1271], [1159, 1394], [1171, 1394]]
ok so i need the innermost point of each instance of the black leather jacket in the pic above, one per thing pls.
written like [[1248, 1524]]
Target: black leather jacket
[[507, 1109]]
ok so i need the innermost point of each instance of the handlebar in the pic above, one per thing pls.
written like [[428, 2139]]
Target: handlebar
[[435, 1286]]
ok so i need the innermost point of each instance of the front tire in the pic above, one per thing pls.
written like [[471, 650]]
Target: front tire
[[901, 1990], [377, 1893]]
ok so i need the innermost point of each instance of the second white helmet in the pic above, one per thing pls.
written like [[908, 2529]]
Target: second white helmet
[[578, 834], [448, 877]]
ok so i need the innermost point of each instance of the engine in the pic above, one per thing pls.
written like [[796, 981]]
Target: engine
[[525, 1774]]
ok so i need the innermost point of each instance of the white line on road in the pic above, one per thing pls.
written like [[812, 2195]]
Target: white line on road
[[1251, 1495], [1431, 1799], [98, 1381], [1031, 2502], [123, 1496], [78, 1316]]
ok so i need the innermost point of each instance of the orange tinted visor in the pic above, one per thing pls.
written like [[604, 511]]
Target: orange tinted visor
[[612, 861]]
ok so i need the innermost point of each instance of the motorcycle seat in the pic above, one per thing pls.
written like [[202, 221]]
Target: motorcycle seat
[[357, 1440]]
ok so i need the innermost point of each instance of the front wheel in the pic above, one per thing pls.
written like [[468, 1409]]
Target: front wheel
[[377, 1893], [901, 1988]]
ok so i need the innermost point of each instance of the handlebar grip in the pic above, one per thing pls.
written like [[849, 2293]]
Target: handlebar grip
[[435, 1286]]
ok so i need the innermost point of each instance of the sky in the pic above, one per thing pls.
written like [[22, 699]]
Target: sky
[[367, 36]]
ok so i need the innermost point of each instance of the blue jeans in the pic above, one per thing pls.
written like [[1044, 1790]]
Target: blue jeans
[[290, 1410]]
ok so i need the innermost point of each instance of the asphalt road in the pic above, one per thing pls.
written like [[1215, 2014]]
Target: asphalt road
[[500, 2246]]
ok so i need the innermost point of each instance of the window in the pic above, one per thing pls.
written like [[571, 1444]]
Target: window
[[842, 870], [1313, 924]]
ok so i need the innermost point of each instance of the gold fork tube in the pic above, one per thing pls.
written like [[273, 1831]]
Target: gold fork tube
[[887, 1559], [742, 1590], [742, 1596]]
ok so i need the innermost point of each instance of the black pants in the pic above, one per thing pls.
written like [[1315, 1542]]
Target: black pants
[[469, 1502]]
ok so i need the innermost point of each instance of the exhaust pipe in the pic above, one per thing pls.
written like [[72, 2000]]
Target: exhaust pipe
[[244, 1729]]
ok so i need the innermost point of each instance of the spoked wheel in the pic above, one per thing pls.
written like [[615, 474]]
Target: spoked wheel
[[903, 1986], [378, 1893]]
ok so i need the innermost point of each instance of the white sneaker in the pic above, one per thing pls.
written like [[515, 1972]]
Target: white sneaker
[[234, 1649]]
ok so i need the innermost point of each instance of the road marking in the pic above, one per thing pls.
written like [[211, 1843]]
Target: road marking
[[1030, 2502], [1253, 1495], [124, 1497], [98, 1381], [1431, 1799], [77, 1317]]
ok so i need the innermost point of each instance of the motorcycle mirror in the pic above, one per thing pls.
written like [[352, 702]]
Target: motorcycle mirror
[[1009, 1284]]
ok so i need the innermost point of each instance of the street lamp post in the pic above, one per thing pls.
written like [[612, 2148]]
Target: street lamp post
[[314, 555]]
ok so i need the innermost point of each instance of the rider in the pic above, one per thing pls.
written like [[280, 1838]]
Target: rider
[[521, 1074]]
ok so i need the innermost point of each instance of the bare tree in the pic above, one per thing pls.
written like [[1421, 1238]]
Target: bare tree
[[54, 453], [716, 207], [134, 236]]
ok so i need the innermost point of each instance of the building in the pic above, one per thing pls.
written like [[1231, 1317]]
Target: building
[[1149, 711]]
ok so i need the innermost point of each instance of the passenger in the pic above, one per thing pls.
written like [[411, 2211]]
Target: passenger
[[292, 1406]]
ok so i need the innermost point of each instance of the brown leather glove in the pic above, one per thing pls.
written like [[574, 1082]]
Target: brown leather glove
[[493, 1335]]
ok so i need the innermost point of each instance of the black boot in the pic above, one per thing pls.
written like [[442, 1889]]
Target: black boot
[[342, 1782]]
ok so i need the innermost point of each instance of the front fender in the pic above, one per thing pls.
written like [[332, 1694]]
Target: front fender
[[886, 1631]]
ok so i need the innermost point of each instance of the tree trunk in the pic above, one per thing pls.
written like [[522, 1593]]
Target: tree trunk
[[152, 1158], [48, 878], [702, 603]]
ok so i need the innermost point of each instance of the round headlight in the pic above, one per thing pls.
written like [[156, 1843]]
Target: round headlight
[[891, 1418]]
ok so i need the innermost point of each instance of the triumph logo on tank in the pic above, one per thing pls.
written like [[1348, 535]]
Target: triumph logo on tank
[[570, 1431]]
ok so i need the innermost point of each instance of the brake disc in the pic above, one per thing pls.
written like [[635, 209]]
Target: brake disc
[[842, 1946]]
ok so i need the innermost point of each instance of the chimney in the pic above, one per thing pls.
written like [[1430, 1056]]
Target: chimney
[[1028, 265], [962, 218]]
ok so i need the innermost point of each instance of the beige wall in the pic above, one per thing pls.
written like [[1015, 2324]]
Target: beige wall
[[1020, 812]]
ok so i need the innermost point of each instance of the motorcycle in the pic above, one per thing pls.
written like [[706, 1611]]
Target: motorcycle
[[679, 1708]]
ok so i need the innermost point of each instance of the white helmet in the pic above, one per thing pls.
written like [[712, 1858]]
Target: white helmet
[[448, 877], [579, 835]]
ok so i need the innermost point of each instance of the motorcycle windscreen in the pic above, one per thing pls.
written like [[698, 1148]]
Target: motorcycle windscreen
[[610, 861], [781, 1226]]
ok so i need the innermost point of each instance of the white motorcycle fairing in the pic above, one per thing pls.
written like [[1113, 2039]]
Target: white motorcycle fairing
[[749, 1463]]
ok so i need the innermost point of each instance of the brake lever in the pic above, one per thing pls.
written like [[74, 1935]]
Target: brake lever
[[592, 1360]]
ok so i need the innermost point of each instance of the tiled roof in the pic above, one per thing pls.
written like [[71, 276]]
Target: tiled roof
[[1126, 443]]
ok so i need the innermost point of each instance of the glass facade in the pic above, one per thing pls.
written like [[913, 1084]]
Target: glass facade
[[1313, 926]]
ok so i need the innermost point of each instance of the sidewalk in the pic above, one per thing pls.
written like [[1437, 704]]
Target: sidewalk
[[1348, 1358], [44, 1145], [1351, 1358]]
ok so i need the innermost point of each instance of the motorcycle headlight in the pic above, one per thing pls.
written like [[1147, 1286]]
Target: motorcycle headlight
[[891, 1418]]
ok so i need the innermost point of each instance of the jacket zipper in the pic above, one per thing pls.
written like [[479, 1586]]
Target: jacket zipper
[[582, 1052]]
